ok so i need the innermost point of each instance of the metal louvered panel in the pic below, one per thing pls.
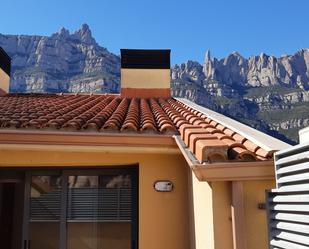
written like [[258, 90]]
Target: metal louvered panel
[[288, 205], [279, 244], [293, 170], [288, 219], [84, 204]]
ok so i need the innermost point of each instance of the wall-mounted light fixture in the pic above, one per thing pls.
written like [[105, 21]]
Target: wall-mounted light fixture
[[163, 186]]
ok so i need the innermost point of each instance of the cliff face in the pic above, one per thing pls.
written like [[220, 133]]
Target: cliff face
[[264, 91], [260, 71], [269, 93], [63, 62]]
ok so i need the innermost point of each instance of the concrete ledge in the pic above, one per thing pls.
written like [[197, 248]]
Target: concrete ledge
[[233, 171]]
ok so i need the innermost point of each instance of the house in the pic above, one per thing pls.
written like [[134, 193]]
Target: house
[[288, 203], [139, 169]]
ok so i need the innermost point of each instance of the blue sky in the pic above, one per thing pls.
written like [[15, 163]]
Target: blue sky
[[189, 28]]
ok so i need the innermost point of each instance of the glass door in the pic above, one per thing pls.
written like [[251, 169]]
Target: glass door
[[81, 209], [42, 211]]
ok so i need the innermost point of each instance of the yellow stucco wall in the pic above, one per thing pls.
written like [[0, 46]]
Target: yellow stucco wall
[[222, 215], [4, 81], [213, 219], [163, 217], [195, 215], [212, 214], [202, 207], [256, 221], [145, 78]]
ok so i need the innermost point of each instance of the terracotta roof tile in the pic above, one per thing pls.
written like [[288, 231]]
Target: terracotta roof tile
[[198, 121], [115, 122], [251, 146], [211, 129], [195, 137], [184, 127], [231, 142], [190, 131], [229, 132], [221, 127], [239, 138], [105, 112], [131, 122], [213, 123], [147, 122], [207, 139], [263, 153], [211, 151], [164, 124], [239, 153], [206, 125], [221, 135]]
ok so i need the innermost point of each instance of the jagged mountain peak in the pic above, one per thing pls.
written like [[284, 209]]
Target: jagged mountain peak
[[84, 34], [303, 50], [262, 55], [191, 63], [63, 32], [207, 56], [85, 27], [233, 60], [259, 70], [236, 54]]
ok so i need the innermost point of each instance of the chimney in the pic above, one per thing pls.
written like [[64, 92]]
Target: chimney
[[145, 73], [5, 70]]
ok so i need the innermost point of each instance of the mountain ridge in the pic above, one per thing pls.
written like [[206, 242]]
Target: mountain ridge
[[50, 63]]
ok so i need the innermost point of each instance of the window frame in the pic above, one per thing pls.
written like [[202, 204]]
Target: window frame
[[64, 172]]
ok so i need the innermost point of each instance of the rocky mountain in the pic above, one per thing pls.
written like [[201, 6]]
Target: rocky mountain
[[266, 92], [260, 71], [269, 93], [61, 62]]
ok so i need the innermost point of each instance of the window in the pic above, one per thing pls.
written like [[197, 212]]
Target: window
[[82, 209]]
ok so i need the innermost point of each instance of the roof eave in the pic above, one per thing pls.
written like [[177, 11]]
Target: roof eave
[[261, 139], [25, 137], [229, 170]]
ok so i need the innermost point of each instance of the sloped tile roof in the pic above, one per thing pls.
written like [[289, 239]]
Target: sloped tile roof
[[207, 139]]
